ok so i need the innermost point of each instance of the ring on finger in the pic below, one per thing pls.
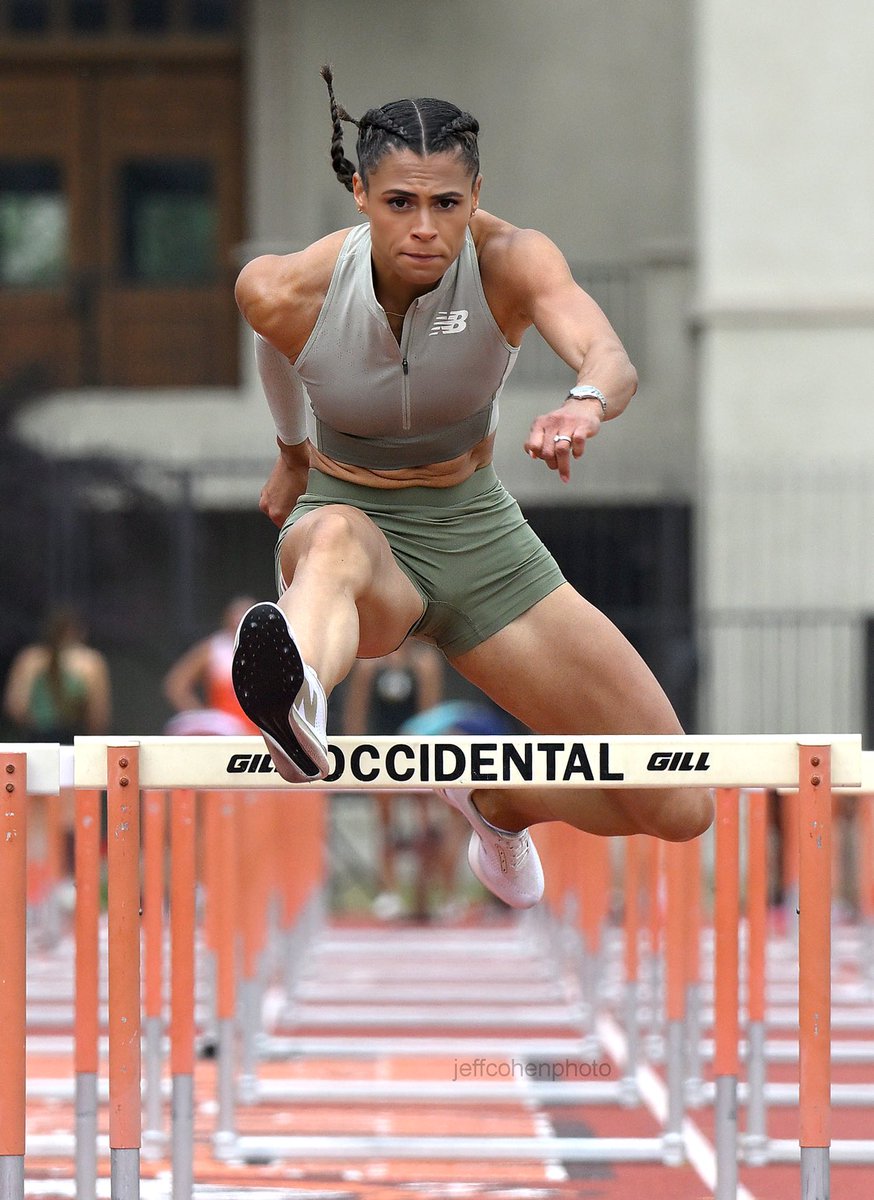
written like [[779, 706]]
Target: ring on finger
[[563, 437]]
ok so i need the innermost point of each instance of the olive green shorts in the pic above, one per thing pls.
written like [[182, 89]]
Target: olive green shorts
[[467, 550]]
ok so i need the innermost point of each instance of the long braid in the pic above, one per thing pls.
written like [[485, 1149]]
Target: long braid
[[425, 126], [378, 118], [343, 168]]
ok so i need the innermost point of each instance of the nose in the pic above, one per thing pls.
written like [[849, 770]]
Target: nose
[[423, 227]]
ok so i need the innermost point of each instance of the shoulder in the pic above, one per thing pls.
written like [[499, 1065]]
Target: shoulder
[[516, 266], [280, 294], [512, 255], [29, 660], [86, 661]]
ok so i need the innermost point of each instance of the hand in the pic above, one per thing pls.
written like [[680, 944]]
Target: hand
[[574, 423], [287, 482]]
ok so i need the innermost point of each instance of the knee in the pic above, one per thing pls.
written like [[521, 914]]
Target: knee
[[686, 814], [332, 535]]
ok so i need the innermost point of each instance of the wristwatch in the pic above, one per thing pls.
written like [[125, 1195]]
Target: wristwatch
[[586, 391]]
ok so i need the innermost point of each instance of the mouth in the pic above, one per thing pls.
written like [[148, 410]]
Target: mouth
[[421, 258]]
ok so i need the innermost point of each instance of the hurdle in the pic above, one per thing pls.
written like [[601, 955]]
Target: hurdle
[[25, 771], [218, 764], [813, 766]]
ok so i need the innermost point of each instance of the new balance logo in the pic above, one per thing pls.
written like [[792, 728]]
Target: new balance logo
[[307, 703], [450, 322]]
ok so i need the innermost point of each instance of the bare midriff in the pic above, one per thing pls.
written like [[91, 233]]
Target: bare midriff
[[440, 475]]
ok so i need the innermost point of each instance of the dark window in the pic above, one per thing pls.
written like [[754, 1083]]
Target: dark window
[[28, 16], [212, 16], [33, 224], [89, 16], [148, 16], [169, 222]]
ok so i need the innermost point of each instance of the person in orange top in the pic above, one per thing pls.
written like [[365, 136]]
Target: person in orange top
[[199, 686]]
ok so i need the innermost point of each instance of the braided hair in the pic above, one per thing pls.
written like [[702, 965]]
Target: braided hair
[[425, 126]]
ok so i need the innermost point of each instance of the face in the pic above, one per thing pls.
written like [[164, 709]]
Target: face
[[419, 208]]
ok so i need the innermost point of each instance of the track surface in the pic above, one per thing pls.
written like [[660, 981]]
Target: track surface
[[358, 1015]]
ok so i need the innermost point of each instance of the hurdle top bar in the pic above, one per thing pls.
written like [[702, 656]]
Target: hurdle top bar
[[420, 763]]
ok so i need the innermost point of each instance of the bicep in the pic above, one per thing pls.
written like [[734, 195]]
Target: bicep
[[19, 684], [571, 322], [99, 697], [565, 315], [189, 669]]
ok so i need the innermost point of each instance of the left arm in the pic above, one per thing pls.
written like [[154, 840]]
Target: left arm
[[99, 706], [19, 685], [185, 679], [547, 297]]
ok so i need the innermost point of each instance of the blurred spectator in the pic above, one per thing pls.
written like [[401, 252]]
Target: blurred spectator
[[199, 686], [56, 689], [59, 687]]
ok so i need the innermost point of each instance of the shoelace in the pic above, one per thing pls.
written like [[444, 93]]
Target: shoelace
[[519, 848]]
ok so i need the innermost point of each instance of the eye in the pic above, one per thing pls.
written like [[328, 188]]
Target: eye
[[398, 203], [446, 203]]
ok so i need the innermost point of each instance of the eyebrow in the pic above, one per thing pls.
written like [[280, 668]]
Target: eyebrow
[[412, 195]]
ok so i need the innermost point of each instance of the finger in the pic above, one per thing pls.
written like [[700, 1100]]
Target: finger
[[534, 443], [562, 448]]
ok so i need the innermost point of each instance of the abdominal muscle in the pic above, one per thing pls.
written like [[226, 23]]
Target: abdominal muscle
[[441, 475]]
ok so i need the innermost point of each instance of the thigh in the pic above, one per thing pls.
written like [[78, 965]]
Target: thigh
[[563, 667]]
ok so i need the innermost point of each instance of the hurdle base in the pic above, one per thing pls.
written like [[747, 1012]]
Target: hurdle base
[[224, 1145], [756, 1149], [11, 1176], [673, 1150], [272, 1148], [124, 1169]]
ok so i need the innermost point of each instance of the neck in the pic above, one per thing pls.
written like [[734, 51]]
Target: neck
[[394, 294]]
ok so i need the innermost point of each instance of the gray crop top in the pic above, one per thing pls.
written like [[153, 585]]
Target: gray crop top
[[385, 405]]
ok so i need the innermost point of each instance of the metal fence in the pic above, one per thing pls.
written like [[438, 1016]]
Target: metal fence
[[133, 547], [784, 672]]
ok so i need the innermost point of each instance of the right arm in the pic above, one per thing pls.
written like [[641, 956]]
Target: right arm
[[19, 685], [187, 675], [281, 297], [99, 708]]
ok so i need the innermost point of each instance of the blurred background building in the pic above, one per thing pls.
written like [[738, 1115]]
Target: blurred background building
[[705, 165]]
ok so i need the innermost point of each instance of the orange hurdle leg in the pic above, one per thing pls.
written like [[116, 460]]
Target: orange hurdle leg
[[814, 967], [675, 997], [86, 1019], [123, 857], [13, 892], [633, 848], [226, 964], [182, 922], [755, 1139], [153, 955], [692, 967], [726, 997]]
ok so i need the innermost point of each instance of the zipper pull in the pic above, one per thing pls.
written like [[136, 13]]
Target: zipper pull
[[406, 366]]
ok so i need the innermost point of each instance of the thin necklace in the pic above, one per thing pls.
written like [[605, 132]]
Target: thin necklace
[[389, 313]]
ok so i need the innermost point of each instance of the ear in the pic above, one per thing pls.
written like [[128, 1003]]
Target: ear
[[359, 192], [474, 195]]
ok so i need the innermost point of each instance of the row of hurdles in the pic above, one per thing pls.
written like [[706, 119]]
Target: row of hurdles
[[261, 879]]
